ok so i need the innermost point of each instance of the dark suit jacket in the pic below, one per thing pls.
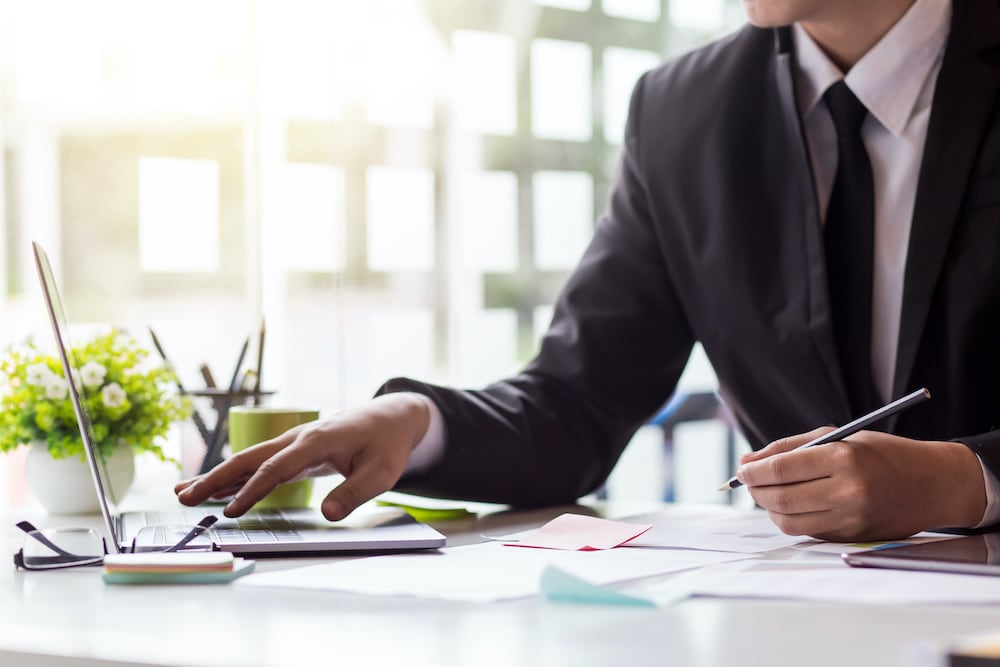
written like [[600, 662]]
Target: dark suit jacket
[[713, 234]]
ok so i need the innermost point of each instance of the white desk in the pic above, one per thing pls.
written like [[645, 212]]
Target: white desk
[[72, 618]]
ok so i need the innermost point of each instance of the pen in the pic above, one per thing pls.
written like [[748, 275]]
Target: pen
[[234, 382], [919, 396], [260, 361], [195, 415]]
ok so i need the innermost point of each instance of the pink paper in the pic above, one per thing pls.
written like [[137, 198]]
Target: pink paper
[[576, 532]]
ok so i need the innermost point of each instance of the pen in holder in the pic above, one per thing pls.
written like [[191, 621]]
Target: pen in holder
[[218, 403], [206, 451]]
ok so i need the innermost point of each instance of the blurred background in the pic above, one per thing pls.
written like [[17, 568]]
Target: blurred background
[[399, 187]]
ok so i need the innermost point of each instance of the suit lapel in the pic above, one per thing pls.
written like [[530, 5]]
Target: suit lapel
[[964, 96]]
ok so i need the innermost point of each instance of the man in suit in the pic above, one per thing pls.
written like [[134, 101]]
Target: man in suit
[[825, 270]]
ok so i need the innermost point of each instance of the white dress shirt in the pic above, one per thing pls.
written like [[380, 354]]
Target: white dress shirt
[[895, 80]]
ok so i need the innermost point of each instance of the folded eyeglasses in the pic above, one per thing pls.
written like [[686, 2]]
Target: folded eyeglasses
[[57, 548]]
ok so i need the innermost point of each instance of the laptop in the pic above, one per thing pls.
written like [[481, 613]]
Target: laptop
[[285, 532]]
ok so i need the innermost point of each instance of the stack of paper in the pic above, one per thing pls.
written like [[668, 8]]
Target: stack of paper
[[201, 567], [483, 572]]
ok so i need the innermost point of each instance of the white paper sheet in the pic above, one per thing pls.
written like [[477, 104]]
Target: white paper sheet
[[483, 572], [747, 532], [829, 581]]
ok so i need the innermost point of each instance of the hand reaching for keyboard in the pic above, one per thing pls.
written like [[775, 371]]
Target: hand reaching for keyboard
[[369, 445]]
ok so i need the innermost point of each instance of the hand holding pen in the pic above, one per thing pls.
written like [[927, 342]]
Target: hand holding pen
[[853, 427], [873, 486]]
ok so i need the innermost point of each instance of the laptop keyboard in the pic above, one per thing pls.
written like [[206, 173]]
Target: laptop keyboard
[[263, 526]]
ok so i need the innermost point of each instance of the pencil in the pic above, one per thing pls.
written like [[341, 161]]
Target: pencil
[[919, 396], [206, 375]]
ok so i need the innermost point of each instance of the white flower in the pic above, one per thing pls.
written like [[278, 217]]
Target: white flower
[[93, 374], [40, 375], [56, 388], [113, 395]]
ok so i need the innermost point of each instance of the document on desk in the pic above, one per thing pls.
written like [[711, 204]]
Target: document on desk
[[822, 579], [747, 532], [483, 572], [837, 548]]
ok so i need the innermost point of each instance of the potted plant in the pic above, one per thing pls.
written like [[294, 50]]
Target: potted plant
[[131, 400]]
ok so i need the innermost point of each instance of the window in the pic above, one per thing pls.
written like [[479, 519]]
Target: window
[[347, 170]]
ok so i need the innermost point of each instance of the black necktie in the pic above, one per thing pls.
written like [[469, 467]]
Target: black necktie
[[849, 239]]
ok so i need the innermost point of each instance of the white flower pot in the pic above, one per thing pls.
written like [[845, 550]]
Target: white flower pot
[[65, 486]]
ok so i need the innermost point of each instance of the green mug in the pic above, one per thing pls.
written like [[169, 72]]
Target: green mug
[[249, 425]]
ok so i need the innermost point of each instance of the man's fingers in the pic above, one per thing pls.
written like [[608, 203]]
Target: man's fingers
[[219, 494], [785, 444], [789, 467], [815, 524], [366, 480], [183, 484], [818, 495], [285, 465], [237, 469], [223, 476], [268, 475]]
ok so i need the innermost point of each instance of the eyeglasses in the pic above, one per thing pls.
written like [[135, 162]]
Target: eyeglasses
[[56, 548]]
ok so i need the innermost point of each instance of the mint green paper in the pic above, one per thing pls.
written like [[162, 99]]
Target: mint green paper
[[425, 514], [561, 586]]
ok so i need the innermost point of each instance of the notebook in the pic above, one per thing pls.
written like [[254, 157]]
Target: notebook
[[256, 533]]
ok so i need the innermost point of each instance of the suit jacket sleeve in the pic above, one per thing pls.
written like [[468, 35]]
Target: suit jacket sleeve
[[612, 355]]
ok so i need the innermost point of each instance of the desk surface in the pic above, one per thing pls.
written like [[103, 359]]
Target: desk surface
[[71, 618]]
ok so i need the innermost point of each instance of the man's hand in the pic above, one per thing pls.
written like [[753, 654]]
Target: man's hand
[[369, 445], [871, 486]]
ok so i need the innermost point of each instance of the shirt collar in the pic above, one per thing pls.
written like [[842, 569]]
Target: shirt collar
[[888, 79]]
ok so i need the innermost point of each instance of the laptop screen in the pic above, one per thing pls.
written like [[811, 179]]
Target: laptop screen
[[98, 466]]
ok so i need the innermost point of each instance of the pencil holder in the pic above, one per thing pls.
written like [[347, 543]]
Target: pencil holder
[[204, 444]]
